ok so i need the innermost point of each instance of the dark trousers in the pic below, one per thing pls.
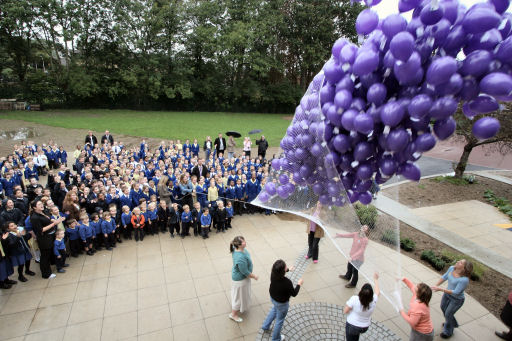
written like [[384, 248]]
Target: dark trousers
[[352, 332], [352, 271], [204, 231], [25, 266], [237, 207], [313, 245], [221, 226], [162, 225], [196, 227], [74, 247], [62, 260], [149, 227], [185, 229], [139, 234], [174, 227], [127, 231], [99, 241], [111, 239], [45, 262], [228, 223]]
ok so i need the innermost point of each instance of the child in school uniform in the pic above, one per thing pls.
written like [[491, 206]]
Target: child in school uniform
[[206, 221], [196, 214], [116, 221], [108, 228], [126, 223], [186, 221], [213, 193], [17, 249], [138, 222], [59, 250], [152, 218], [221, 217], [174, 220], [86, 232], [239, 195], [163, 214], [73, 237], [230, 213], [95, 223]]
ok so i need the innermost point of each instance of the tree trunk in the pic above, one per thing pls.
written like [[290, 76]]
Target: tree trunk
[[463, 161]]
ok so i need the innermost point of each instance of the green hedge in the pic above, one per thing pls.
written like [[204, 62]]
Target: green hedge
[[407, 244], [367, 214], [436, 262]]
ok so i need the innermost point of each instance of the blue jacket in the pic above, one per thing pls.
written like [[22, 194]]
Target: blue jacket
[[253, 188], [85, 231], [240, 192], [229, 211], [206, 220], [73, 234], [186, 217], [96, 225], [194, 149], [62, 156], [151, 215], [108, 227], [126, 218], [126, 201], [58, 245], [31, 173], [230, 192]]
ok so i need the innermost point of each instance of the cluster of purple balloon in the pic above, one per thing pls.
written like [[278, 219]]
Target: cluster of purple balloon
[[382, 104]]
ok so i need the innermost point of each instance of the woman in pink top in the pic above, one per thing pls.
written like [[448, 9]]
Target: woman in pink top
[[418, 315], [356, 254]]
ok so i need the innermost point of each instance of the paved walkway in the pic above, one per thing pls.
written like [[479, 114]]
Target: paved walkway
[[173, 289]]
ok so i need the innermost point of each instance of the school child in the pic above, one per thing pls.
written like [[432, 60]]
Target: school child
[[108, 228], [196, 215], [221, 217], [62, 156], [239, 195], [206, 221], [99, 239], [73, 237], [144, 211], [59, 250], [186, 221], [116, 218], [6, 268], [174, 220], [230, 213], [126, 222], [152, 219], [125, 199], [138, 222], [201, 193], [17, 250], [213, 193], [86, 233], [163, 214]]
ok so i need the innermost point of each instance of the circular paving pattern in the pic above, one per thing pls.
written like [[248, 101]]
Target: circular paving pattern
[[323, 321]]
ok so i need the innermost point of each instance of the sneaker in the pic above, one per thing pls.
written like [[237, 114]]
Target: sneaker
[[61, 271], [315, 261], [52, 276], [307, 257]]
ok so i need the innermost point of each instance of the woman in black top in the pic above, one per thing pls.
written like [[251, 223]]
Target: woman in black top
[[281, 288], [44, 229]]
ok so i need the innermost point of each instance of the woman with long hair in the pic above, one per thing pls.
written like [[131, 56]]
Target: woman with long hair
[[453, 297], [186, 188], [163, 190], [241, 275], [281, 289], [418, 315], [70, 205], [360, 309]]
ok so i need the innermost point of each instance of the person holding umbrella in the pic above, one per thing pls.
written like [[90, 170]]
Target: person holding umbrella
[[231, 143], [262, 147]]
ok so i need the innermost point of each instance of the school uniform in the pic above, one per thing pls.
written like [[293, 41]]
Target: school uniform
[[108, 228], [126, 200], [252, 188], [17, 250], [194, 149], [31, 173], [6, 268], [62, 157], [163, 218], [230, 194], [186, 221], [221, 215], [152, 219], [59, 249], [99, 239], [74, 240], [86, 233], [195, 221], [206, 221], [230, 213], [127, 224], [239, 195], [135, 196], [174, 222], [138, 230]]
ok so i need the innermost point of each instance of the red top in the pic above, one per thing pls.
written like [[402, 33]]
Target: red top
[[138, 220], [418, 315]]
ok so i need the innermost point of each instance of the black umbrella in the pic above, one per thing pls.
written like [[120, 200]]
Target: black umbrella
[[234, 134], [255, 131]]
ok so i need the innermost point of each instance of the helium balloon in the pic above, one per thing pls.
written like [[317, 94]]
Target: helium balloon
[[363, 123], [486, 127], [341, 143], [365, 198], [376, 93], [441, 70], [444, 128], [484, 104], [366, 62], [366, 21], [478, 20], [392, 113], [270, 188], [283, 179], [496, 84], [347, 119], [343, 99], [411, 172], [402, 46], [419, 106], [393, 24], [431, 14], [425, 142], [397, 140]]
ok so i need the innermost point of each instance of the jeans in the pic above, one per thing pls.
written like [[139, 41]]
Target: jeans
[[352, 271], [352, 332], [449, 306], [313, 245], [278, 313]]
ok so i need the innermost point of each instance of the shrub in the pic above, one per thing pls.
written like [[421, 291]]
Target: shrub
[[452, 257], [407, 244], [466, 180], [390, 237], [367, 215], [503, 204], [436, 262]]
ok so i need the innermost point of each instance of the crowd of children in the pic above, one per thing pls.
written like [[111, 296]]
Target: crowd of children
[[114, 193]]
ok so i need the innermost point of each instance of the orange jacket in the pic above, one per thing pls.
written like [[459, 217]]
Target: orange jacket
[[138, 220]]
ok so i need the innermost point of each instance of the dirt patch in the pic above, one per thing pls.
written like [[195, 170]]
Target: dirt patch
[[288, 117], [429, 192]]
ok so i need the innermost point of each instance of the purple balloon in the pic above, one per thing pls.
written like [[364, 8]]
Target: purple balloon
[[290, 188], [376, 93], [366, 21], [264, 197], [501, 5], [444, 128], [405, 72], [404, 6], [425, 142], [362, 185], [362, 151], [333, 116], [411, 172], [276, 164], [364, 172], [365, 198], [479, 20], [346, 83], [441, 70], [363, 123], [283, 179], [393, 24], [343, 99], [353, 196], [486, 127], [341, 143], [439, 31], [326, 94], [496, 84], [484, 104], [402, 46], [455, 39], [348, 54], [419, 106], [504, 51], [392, 113], [468, 112], [397, 140], [347, 181], [452, 87], [316, 150], [388, 166], [347, 119], [470, 89], [332, 71], [282, 192], [443, 107], [337, 46], [431, 15], [324, 199], [366, 61], [270, 188], [450, 10]]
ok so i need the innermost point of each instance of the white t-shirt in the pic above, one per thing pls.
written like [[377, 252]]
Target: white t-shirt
[[357, 317]]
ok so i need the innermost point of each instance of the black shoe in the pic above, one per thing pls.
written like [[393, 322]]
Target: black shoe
[[109, 248], [30, 273], [172, 235], [344, 277], [503, 335], [22, 278], [350, 285], [61, 271], [4, 285], [119, 241], [65, 265], [444, 336], [90, 253], [10, 281]]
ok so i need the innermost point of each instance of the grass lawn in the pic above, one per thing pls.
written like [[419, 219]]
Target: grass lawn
[[160, 124]]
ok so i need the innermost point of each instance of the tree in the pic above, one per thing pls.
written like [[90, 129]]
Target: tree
[[502, 142]]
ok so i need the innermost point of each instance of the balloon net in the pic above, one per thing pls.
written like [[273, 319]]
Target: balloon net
[[304, 181]]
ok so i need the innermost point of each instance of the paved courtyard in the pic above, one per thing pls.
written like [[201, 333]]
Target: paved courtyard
[[173, 289]]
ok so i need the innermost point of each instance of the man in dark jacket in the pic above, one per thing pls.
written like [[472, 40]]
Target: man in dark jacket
[[220, 144], [90, 139], [199, 170], [262, 147], [107, 138]]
